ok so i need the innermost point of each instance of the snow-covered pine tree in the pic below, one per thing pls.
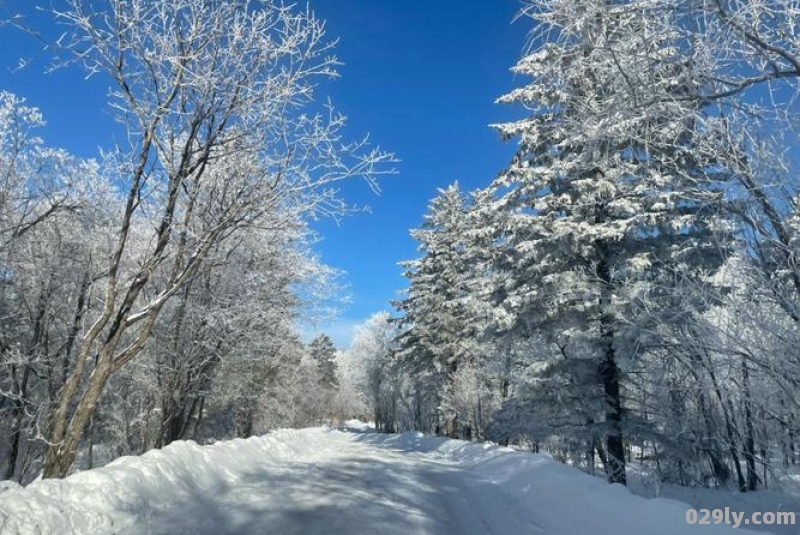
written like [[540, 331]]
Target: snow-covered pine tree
[[323, 351], [606, 200], [438, 331]]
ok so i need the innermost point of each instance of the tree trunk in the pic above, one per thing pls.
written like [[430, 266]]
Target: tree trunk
[[16, 431], [20, 387], [61, 453], [610, 375], [17, 416], [451, 427], [602, 454], [721, 472], [732, 448], [56, 383], [198, 419], [90, 440], [749, 441], [727, 413]]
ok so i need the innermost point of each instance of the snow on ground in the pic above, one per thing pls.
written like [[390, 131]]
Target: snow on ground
[[322, 481], [708, 498]]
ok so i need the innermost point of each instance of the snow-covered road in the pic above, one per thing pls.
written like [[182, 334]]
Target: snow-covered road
[[321, 481], [346, 487]]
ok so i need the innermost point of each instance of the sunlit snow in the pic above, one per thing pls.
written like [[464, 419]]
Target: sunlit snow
[[345, 482]]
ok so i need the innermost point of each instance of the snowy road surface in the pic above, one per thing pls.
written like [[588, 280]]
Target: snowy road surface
[[320, 481], [348, 488]]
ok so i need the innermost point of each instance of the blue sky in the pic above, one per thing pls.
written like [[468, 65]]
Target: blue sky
[[422, 77], [419, 76]]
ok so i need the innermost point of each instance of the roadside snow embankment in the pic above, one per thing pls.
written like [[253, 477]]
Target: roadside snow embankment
[[561, 498], [126, 491]]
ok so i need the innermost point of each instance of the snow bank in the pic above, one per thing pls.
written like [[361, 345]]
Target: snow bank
[[561, 499], [8, 485], [710, 498], [119, 495]]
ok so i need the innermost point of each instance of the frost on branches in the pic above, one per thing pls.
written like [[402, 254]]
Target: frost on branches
[[229, 155], [606, 297]]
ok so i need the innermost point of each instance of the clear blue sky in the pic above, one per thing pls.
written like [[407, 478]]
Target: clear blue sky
[[420, 76]]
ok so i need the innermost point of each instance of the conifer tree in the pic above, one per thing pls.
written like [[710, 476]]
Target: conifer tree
[[323, 351], [438, 335], [606, 202]]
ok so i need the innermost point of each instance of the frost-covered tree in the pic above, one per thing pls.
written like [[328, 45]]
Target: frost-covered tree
[[750, 44], [37, 181], [53, 212], [323, 352], [363, 362], [385, 391], [217, 99], [607, 201], [438, 327]]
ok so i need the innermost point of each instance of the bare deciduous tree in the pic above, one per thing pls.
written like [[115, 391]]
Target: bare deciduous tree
[[215, 97]]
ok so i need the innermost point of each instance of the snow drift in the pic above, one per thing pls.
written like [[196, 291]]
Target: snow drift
[[124, 492], [561, 498]]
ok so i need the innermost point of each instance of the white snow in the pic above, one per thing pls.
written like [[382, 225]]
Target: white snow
[[786, 499], [346, 482]]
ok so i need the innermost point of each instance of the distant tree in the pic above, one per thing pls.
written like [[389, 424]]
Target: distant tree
[[369, 367], [323, 353]]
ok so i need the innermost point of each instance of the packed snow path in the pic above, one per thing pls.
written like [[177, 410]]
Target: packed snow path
[[321, 481], [346, 487]]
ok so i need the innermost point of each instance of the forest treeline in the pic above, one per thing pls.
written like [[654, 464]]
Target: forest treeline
[[628, 288]]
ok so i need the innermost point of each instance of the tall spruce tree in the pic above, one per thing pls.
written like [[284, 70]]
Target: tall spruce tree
[[607, 201], [437, 328]]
